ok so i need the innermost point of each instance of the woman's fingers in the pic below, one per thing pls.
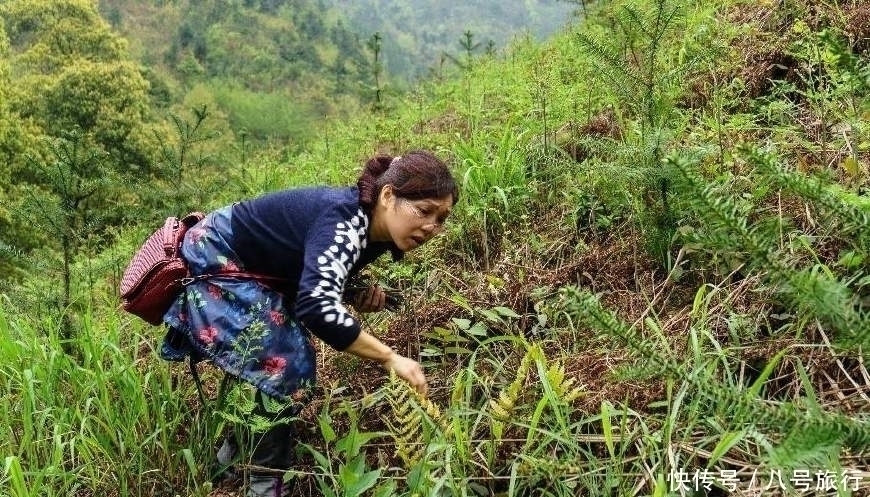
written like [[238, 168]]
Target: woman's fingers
[[378, 298], [372, 300], [410, 371]]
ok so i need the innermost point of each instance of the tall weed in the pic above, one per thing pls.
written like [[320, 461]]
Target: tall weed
[[100, 422]]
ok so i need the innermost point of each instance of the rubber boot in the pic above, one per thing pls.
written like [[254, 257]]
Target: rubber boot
[[267, 486], [226, 459]]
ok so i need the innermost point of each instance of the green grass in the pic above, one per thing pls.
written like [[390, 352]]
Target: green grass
[[565, 358], [101, 420]]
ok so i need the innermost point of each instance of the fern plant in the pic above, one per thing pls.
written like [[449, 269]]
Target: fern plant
[[787, 434], [814, 290], [502, 407], [421, 434], [634, 69]]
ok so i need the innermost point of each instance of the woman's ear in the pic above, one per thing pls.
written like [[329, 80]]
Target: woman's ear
[[387, 196]]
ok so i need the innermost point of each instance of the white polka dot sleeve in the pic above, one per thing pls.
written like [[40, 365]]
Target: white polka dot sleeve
[[332, 247]]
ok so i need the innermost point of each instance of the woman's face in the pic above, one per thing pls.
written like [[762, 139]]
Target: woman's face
[[411, 223]]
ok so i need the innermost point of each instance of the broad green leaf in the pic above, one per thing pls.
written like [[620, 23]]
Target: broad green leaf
[[187, 454], [387, 489], [812, 398], [490, 315], [506, 312], [479, 330], [326, 430], [463, 324], [460, 301], [321, 460], [365, 482], [851, 259], [353, 441]]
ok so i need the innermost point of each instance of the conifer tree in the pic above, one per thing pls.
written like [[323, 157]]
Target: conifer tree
[[631, 64], [74, 181], [377, 66]]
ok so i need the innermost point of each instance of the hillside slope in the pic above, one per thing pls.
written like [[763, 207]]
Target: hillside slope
[[250, 56], [656, 281], [417, 34]]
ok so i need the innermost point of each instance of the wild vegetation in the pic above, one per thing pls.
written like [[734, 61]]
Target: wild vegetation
[[421, 36], [273, 68], [655, 283]]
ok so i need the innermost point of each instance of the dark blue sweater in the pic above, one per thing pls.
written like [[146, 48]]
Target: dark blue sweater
[[315, 238]]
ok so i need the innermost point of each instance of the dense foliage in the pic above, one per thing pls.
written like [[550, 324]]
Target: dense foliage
[[273, 67], [77, 129], [656, 280], [422, 36]]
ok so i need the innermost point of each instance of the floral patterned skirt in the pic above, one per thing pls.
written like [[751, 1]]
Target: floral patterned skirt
[[239, 324]]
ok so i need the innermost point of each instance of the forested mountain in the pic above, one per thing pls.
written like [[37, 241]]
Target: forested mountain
[[418, 33], [656, 280], [273, 66], [132, 85], [263, 45]]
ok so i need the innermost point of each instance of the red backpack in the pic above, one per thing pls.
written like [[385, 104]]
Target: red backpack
[[157, 272]]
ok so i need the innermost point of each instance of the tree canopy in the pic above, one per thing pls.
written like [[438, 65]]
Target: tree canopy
[[64, 73], [69, 70]]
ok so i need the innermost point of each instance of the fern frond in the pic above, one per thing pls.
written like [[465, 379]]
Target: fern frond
[[406, 423], [410, 412], [434, 413], [722, 215], [563, 387], [502, 407], [821, 294]]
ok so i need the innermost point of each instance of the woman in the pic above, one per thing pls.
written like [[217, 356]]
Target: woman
[[305, 243]]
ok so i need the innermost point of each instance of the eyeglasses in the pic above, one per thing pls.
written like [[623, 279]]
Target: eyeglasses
[[434, 227], [437, 226]]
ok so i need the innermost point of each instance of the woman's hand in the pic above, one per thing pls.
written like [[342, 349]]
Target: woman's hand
[[372, 300], [369, 347], [408, 370]]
